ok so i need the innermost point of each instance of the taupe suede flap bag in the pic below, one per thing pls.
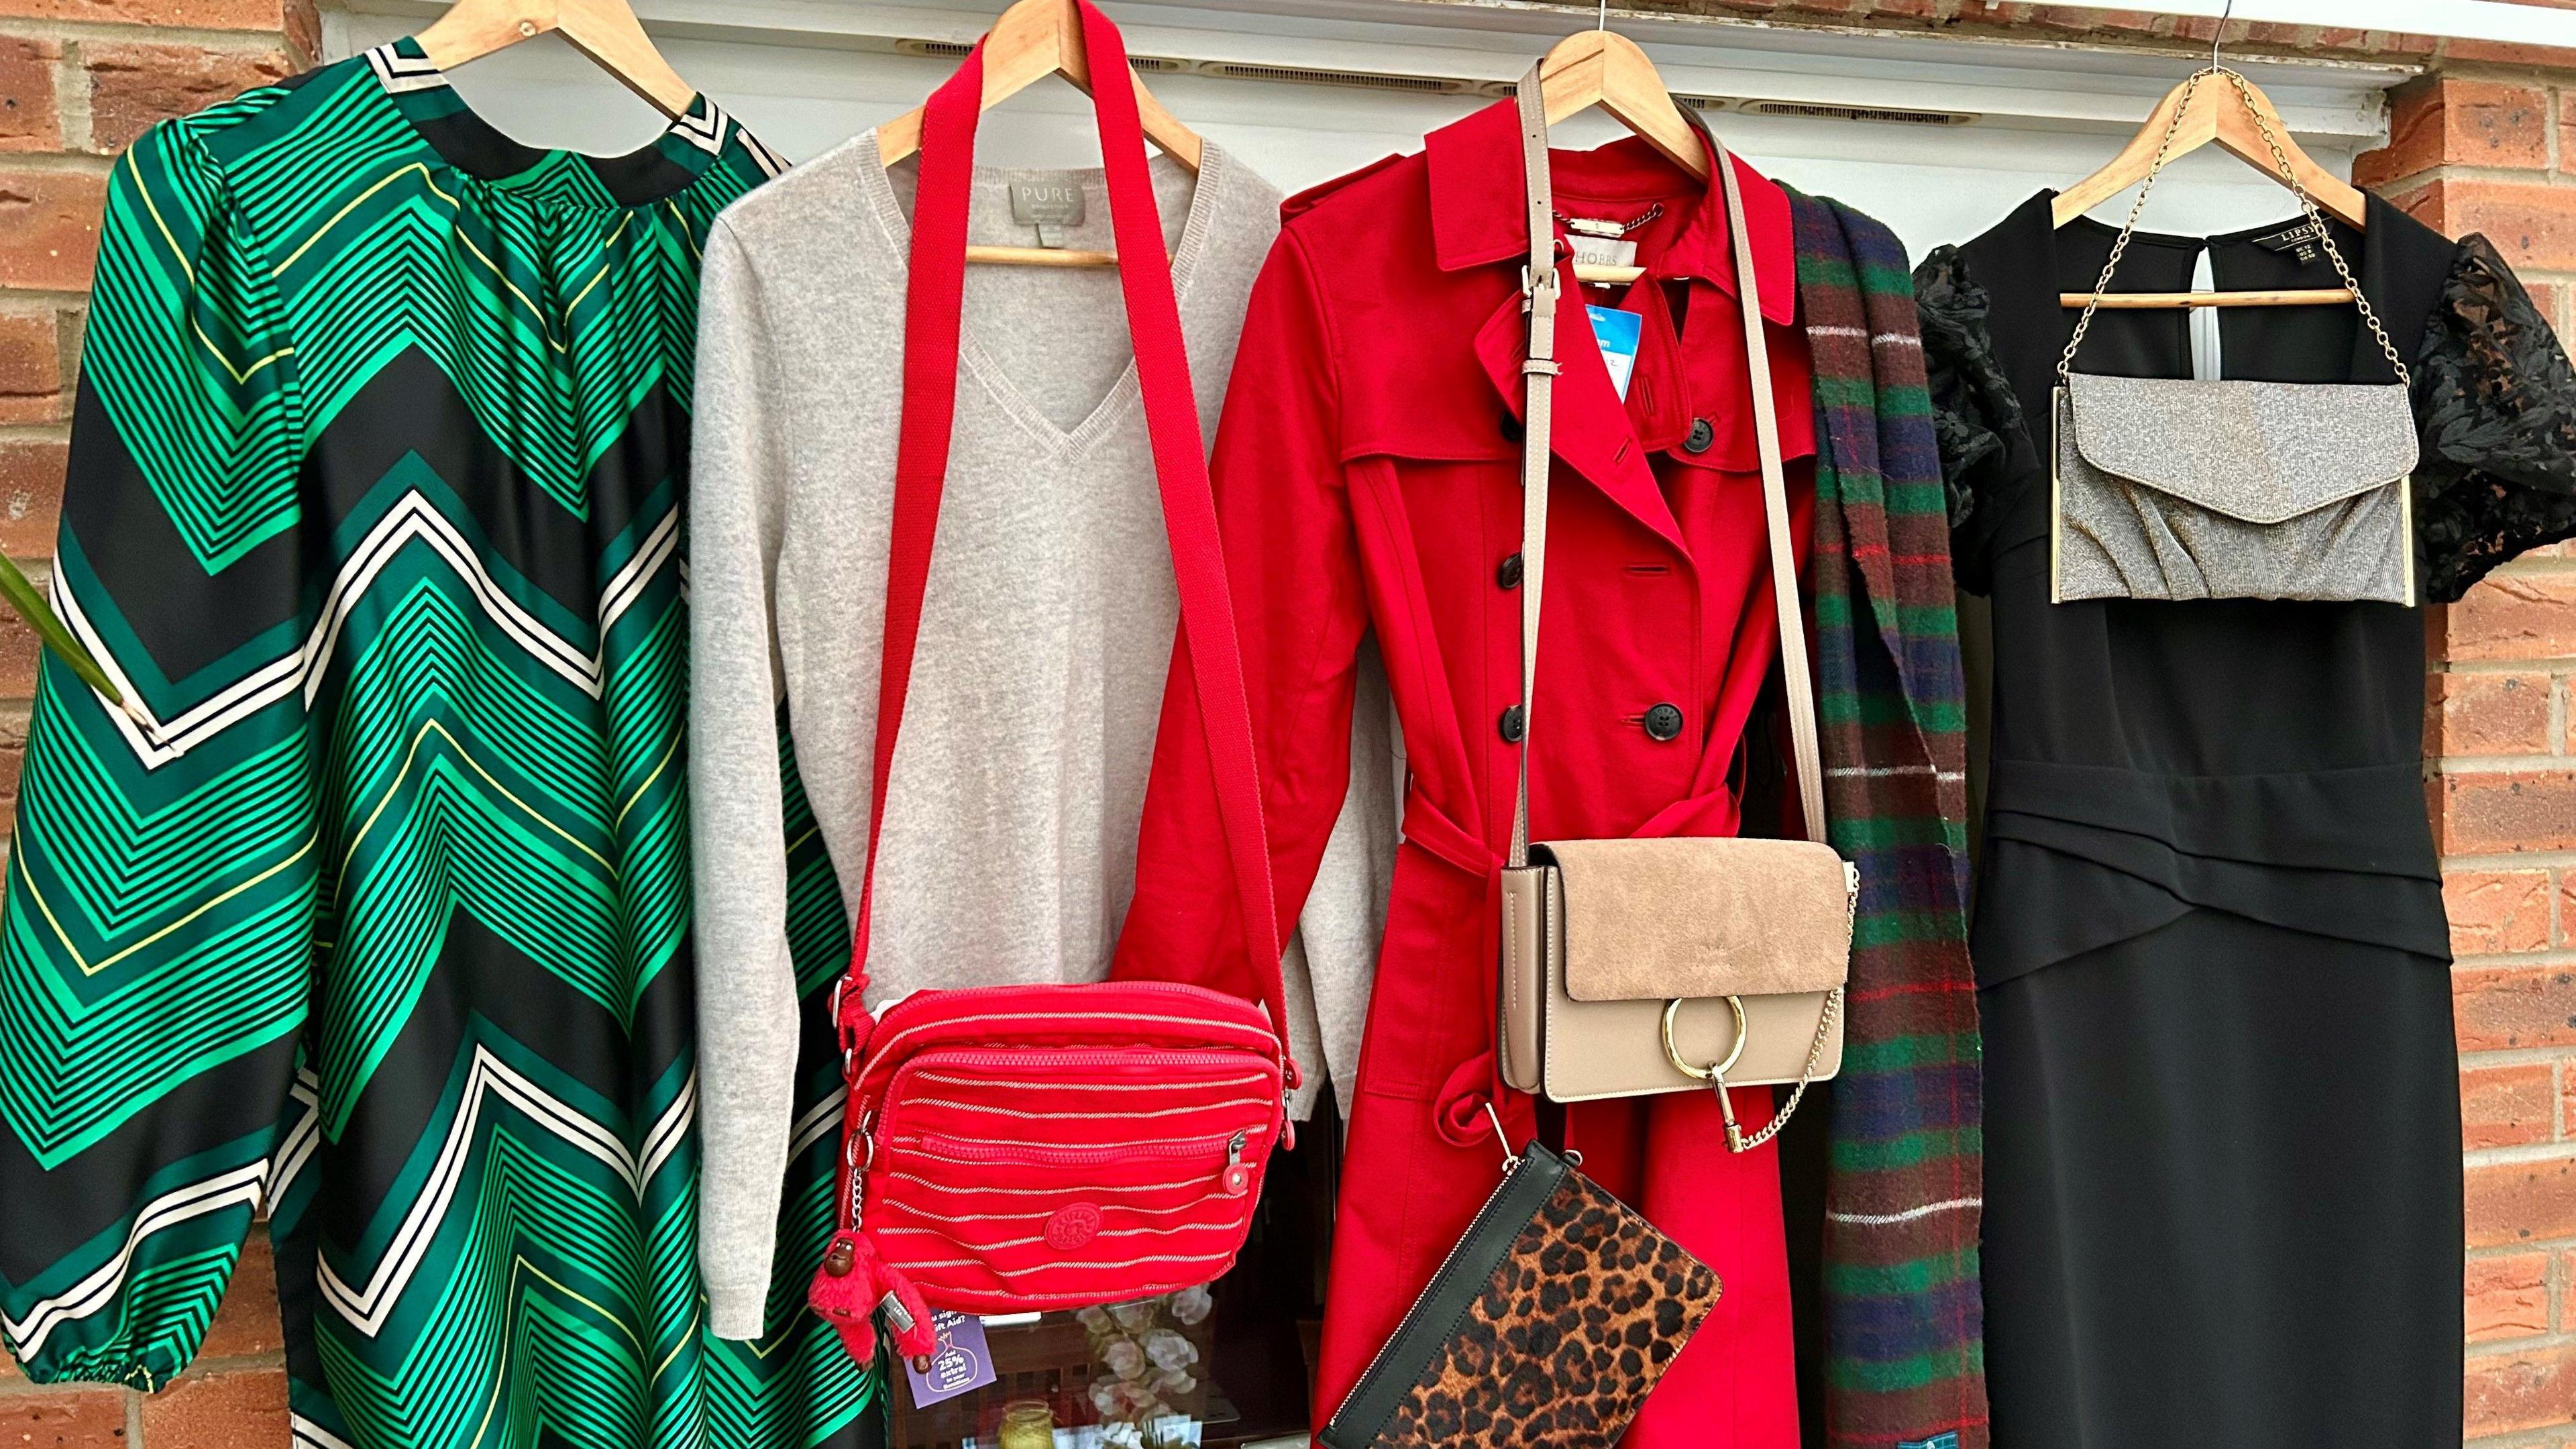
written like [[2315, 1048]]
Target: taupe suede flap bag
[[1662, 965], [2180, 488]]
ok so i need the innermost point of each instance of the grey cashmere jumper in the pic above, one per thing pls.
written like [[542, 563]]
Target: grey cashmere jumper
[[1010, 837]]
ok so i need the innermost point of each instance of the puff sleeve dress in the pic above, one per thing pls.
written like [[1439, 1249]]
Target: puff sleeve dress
[[2222, 1136], [371, 914]]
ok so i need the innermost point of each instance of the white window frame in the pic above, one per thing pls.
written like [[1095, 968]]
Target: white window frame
[[2502, 20]]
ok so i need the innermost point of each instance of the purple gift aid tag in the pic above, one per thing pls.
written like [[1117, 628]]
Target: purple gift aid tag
[[960, 1364]]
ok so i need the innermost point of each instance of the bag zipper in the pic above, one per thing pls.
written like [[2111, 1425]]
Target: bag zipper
[[1079, 1056], [1274, 1049], [1234, 1177], [953, 993], [1016, 1084], [968, 1149], [1016, 1062], [1474, 1226]]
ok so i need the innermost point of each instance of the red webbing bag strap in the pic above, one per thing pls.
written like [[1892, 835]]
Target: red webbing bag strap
[[934, 305], [852, 1281]]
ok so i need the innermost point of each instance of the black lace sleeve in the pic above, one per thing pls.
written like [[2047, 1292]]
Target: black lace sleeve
[[1985, 443], [2496, 402]]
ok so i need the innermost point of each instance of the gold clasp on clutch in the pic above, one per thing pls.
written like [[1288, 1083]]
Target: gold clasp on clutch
[[1716, 1075]]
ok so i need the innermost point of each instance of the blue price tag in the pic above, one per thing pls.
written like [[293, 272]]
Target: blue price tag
[[1618, 333]]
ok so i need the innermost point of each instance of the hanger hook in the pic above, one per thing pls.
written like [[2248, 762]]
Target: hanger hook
[[1601, 16], [2215, 36]]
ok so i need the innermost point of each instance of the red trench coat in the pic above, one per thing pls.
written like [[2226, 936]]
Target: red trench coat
[[1366, 477]]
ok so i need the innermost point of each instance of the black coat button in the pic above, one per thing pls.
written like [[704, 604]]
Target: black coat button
[[1508, 574], [1663, 722], [1703, 436], [1512, 726], [1510, 428]]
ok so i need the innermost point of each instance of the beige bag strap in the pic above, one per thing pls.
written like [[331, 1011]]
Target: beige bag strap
[[1541, 282], [1539, 288]]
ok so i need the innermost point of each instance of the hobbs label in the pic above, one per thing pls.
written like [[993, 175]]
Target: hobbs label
[[1603, 251], [1050, 206], [1617, 332], [959, 1364]]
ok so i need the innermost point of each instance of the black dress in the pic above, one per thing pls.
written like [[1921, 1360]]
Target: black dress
[[2222, 1120]]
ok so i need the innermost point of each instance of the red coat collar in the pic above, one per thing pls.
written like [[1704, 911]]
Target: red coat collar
[[1477, 215]]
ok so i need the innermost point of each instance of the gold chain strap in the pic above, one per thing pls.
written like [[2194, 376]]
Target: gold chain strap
[[2289, 173], [1736, 1141]]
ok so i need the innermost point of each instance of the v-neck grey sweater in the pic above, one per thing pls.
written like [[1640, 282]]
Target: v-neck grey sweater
[[1010, 836]]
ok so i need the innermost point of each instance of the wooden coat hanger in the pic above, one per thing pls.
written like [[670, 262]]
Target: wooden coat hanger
[[2217, 112], [605, 30], [1032, 40], [1599, 67]]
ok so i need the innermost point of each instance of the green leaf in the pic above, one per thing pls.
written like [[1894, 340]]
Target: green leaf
[[31, 606]]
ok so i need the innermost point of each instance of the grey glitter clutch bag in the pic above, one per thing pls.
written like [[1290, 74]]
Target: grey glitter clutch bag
[[2178, 488], [2169, 488]]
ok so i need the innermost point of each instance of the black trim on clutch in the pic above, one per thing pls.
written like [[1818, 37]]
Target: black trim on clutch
[[1453, 1290]]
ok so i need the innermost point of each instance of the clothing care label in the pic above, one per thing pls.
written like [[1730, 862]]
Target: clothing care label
[[1050, 206], [1618, 333], [2301, 239], [960, 1364]]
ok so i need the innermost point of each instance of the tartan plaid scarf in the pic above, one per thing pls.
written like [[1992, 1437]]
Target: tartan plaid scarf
[[1904, 1319]]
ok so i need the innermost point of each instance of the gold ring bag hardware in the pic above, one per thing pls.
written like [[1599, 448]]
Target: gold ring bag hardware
[[2179, 488], [1667, 965]]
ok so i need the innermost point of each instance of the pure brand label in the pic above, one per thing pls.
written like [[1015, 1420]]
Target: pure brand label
[[1046, 203], [959, 1364], [1948, 1440]]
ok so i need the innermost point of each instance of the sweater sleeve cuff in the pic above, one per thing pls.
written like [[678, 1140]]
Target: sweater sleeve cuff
[[737, 1310]]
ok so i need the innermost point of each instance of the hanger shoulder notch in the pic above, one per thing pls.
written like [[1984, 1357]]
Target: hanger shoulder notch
[[604, 30]]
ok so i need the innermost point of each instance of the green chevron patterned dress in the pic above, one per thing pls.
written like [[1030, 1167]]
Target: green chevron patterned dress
[[372, 907]]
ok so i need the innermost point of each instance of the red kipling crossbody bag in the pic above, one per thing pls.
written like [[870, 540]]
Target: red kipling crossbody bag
[[1010, 1148]]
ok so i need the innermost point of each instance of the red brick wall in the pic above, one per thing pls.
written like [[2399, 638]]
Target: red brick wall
[[78, 80], [2487, 144], [2494, 151]]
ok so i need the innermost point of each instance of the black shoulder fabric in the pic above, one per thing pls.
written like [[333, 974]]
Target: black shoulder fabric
[[1985, 440], [2495, 399]]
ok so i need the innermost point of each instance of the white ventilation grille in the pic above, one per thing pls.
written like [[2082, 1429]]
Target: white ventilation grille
[[957, 49], [1425, 85], [1885, 115]]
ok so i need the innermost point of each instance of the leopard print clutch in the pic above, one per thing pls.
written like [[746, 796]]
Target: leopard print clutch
[[1546, 1328]]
